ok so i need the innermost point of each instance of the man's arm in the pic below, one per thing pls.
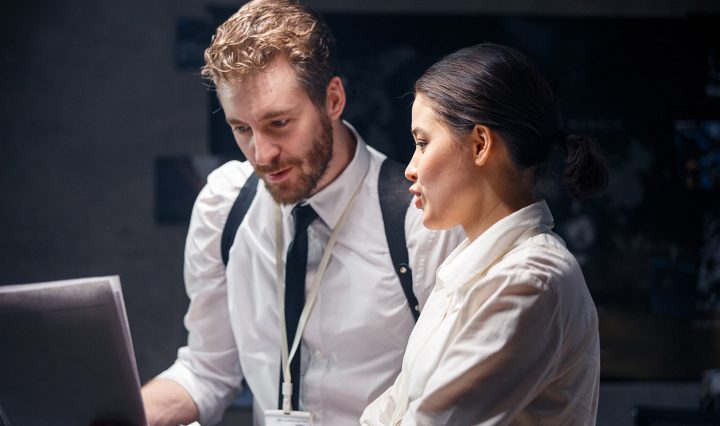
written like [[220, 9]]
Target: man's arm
[[206, 375], [168, 403]]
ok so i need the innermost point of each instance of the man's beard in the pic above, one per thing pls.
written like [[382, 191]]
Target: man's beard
[[316, 159]]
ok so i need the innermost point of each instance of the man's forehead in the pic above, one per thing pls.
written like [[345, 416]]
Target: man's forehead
[[261, 95], [272, 80]]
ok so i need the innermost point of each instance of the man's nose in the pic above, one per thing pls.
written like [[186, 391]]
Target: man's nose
[[265, 150]]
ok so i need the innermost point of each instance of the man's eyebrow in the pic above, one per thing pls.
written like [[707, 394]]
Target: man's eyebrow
[[273, 114], [267, 116], [232, 121]]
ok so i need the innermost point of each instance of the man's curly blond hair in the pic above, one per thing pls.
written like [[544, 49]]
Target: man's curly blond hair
[[262, 30]]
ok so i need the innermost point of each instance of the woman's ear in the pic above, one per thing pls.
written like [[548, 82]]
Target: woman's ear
[[482, 139], [335, 98]]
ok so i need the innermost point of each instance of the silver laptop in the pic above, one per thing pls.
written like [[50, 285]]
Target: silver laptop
[[66, 357]]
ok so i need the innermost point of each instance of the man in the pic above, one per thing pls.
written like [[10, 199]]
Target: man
[[272, 64]]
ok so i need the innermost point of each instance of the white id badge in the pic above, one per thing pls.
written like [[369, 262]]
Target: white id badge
[[295, 418]]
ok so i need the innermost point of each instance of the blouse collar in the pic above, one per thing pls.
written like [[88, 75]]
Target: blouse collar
[[472, 258]]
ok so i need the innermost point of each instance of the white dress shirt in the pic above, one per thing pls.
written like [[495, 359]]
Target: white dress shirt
[[356, 334], [509, 336]]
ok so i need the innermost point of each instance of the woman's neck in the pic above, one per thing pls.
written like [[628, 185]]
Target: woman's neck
[[502, 199]]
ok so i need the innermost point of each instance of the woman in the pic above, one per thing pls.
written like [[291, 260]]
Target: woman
[[509, 335]]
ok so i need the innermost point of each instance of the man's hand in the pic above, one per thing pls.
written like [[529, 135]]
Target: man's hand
[[168, 404]]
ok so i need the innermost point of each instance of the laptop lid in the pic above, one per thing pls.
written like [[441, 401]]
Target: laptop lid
[[66, 355]]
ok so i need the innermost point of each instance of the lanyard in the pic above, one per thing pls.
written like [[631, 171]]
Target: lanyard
[[280, 284]]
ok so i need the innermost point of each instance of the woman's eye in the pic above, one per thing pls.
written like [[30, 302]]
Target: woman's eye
[[421, 145]]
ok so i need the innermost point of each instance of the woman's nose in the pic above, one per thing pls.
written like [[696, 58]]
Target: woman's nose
[[411, 169]]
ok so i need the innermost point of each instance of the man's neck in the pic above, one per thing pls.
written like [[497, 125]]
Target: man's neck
[[344, 145]]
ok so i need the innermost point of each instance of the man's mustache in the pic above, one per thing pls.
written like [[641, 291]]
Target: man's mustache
[[276, 166]]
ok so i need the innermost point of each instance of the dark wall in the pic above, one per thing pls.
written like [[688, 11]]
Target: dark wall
[[90, 97], [648, 90]]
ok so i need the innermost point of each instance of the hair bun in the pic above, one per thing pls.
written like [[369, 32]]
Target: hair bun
[[586, 173]]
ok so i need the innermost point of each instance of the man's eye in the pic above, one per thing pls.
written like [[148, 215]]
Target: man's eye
[[280, 123], [240, 129]]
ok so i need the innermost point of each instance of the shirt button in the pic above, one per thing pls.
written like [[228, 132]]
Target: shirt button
[[319, 355]]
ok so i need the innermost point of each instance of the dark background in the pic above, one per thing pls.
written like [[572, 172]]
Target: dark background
[[107, 131], [641, 88]]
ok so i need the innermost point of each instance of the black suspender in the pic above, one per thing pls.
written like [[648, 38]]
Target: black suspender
[[394, 202], [237, 214]]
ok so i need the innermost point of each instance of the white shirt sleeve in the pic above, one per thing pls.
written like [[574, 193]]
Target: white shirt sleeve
[[380, 412], [503, 354], [208, 367]]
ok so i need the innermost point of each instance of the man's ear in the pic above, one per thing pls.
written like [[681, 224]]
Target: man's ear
[[482, 139], [335, 98]]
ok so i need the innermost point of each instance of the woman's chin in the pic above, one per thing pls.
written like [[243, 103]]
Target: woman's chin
[[434, 223]]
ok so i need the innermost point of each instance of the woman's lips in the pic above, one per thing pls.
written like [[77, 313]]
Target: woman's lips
[[418, 200]]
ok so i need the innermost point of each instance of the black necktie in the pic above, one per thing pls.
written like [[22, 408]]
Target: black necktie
[[295, 290]]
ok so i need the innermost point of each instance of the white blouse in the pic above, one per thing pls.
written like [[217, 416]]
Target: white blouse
[[509, 336]]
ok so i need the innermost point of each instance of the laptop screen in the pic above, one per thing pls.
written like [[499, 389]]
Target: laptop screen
[[67, 356]]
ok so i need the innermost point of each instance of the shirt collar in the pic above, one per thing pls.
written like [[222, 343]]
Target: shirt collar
[[471, 258], [330, 201]]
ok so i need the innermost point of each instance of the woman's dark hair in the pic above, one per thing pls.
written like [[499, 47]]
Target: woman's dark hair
[[499, 87]]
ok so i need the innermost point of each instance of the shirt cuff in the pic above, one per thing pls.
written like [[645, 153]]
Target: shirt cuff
[[209, 400]]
